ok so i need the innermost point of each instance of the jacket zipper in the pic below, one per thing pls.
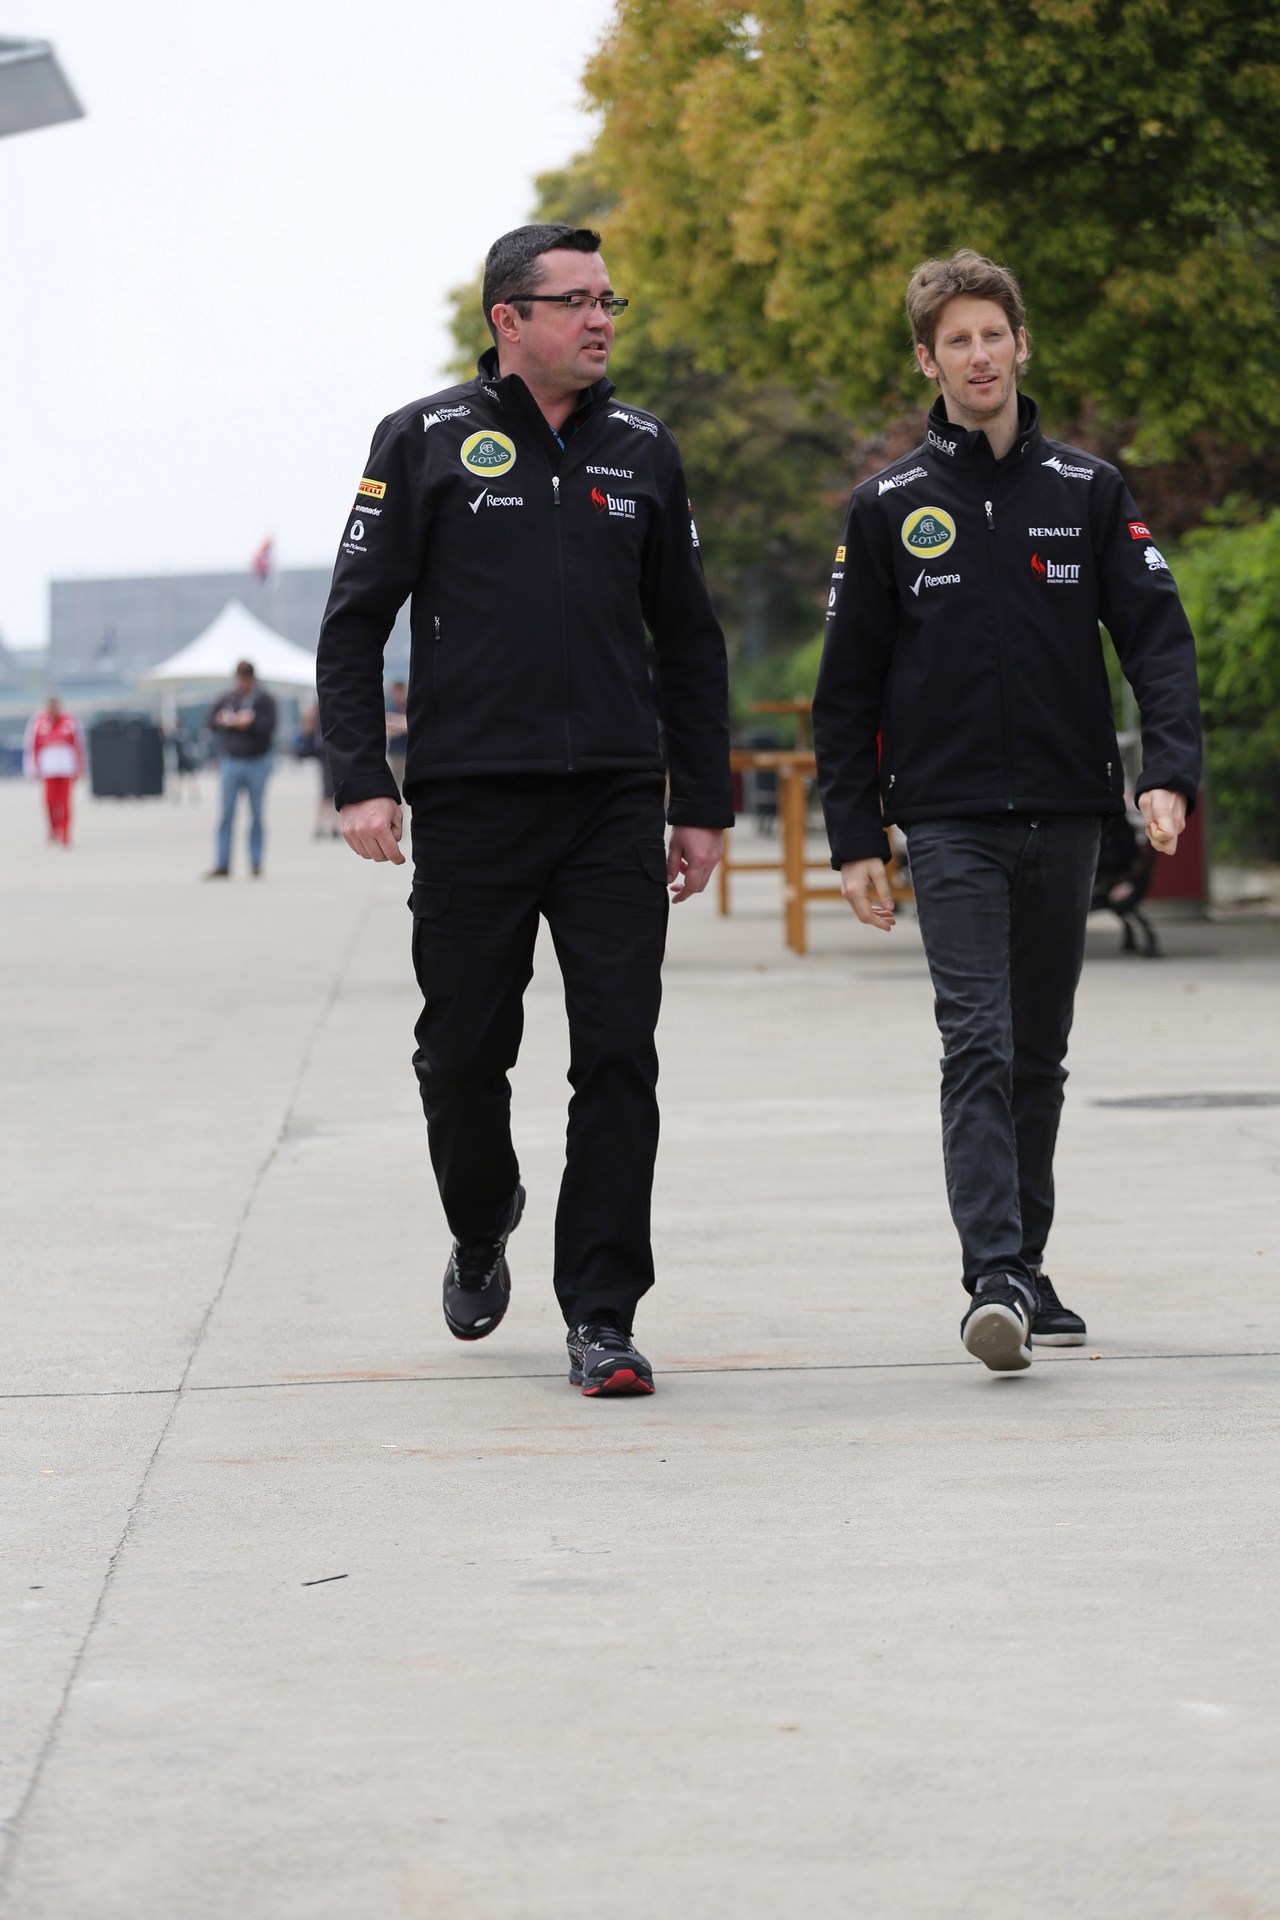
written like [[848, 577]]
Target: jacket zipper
[[1002, 657], [564, 618]]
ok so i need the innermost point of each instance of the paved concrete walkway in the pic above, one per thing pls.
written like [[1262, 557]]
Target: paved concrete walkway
[[310, 1612]]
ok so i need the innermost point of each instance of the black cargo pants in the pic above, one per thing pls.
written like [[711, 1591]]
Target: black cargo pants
[[491, 854]]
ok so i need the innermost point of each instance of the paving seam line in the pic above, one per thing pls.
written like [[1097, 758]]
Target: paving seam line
[[13, 1826], [670, 1373]]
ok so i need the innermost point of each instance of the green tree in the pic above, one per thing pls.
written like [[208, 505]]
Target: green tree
[[779, 170]]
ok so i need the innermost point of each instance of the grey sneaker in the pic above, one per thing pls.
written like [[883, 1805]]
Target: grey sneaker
[[604, 1359], [477, 1280], [1052, 1324], [997, 1327]]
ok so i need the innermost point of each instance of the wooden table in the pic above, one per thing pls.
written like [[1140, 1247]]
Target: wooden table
[[794, 767], [801, 708]]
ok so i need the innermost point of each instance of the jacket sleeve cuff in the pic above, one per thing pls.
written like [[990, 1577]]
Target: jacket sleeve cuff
[[366, 786], [693, 813], [875, 846], [1171, 783]]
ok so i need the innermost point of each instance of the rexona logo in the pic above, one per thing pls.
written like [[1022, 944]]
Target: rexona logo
[[617, 507], [928, 580], [1053, 574], [372, 489], [487, 454], [1139, 530], [1065, 468], [928, 532], [902, 479]]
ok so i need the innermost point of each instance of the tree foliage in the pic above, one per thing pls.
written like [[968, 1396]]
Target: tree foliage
[[1229, 578], [778, 171]]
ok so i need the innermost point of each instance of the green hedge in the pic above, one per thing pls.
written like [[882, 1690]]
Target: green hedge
[[1229, 575]]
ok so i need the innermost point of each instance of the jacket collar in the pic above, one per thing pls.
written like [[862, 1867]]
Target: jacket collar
[[509, 390], [951, 446]]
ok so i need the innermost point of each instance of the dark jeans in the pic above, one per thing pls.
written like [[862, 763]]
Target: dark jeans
[[586, 851], [1002, 906]]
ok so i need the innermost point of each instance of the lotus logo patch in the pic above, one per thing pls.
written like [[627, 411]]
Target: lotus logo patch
[[928, 532], [487, 454]]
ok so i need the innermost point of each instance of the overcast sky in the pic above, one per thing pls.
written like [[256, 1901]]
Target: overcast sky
[[217, 283]]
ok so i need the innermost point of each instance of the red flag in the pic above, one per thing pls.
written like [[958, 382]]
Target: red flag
[[263, 561]]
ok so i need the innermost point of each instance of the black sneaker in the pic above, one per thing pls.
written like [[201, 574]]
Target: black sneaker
[[997, 1327], [477, 1280], [1052, 1324], [604, 1359]]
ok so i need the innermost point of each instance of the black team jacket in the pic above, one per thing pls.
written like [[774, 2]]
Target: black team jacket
[[962, 629], [533, 573]]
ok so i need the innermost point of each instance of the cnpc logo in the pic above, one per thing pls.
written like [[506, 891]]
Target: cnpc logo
[[928, 532], [487, 455]]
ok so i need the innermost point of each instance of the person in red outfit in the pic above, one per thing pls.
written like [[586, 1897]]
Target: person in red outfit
[[53, 751]]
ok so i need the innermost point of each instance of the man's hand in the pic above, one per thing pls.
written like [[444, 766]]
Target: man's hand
[[1166, 815], [865, 885], [372, 828], [692, 858]]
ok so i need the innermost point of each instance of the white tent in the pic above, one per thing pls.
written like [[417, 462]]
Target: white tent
[[237, 635]]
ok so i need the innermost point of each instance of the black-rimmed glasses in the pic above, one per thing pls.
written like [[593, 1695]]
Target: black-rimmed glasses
[[575, 302]]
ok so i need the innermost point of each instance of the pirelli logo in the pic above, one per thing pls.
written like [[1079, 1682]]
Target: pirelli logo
[[372, 489]]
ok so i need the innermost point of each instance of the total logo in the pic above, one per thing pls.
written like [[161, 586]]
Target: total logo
[[927, 580], [487, 455], [928, 532], [615, 506], [487, 499], [1053, 574]]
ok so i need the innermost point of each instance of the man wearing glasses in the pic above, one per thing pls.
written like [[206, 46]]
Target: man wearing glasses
[[539, 529]]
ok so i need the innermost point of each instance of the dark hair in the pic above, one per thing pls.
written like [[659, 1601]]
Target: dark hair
[[244, 670], [934, 282], [512, 262]]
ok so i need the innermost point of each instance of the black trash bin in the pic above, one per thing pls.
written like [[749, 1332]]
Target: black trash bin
[[126, 758]]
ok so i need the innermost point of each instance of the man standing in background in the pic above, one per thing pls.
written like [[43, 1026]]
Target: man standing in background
[[244, 721], [53, 751], [963, 695]]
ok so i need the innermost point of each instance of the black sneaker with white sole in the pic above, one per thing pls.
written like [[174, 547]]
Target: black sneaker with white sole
[[604, 1359], [1052, 1324], [997, 1327], [477, 1280]]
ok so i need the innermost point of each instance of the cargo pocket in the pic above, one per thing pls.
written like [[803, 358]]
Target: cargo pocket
[[653, 859], [429, 905]]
